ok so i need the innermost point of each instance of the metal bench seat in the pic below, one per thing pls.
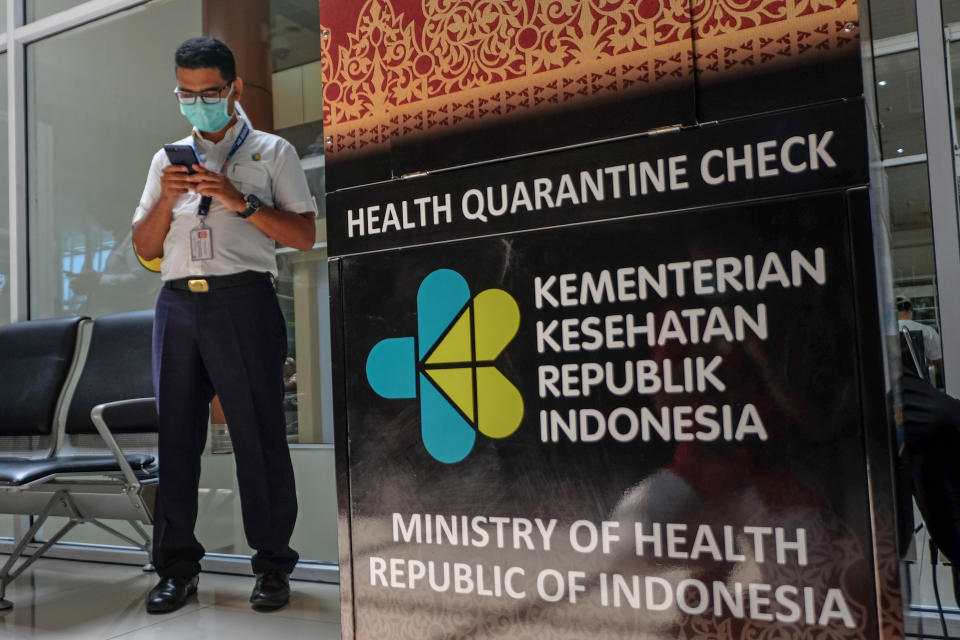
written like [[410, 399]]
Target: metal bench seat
[[65, 380], [20, 472]]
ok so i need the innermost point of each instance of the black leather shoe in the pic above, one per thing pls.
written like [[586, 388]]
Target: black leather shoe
[[272, 590], [170, 594]]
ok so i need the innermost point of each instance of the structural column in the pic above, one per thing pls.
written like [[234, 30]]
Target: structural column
[[244, 25]]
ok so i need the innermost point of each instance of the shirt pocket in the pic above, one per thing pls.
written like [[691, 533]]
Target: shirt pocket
[[250, 177]]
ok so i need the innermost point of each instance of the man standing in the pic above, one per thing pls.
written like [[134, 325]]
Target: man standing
[[218, 328]]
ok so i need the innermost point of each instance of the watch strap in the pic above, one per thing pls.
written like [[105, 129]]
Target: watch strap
[[253, 205]]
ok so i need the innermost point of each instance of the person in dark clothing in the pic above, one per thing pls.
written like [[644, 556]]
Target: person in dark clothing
[[931, 421]]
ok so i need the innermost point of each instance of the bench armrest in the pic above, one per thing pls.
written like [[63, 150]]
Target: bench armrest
[[101, 414]]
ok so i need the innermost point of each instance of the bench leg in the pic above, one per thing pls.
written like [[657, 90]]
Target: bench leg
[[8, 574], [147, 545]]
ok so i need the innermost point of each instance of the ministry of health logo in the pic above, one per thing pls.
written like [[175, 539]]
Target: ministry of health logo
[[458, 341]]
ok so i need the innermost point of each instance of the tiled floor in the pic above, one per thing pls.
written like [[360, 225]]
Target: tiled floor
[[61, 599]]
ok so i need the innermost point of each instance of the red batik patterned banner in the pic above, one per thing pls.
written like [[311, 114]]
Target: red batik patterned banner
[[408, 67], [738, 35]]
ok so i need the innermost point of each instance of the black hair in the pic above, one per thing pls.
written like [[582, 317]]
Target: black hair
[[206, 53], [904, 304]]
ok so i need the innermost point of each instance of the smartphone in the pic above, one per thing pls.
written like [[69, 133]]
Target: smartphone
[[182, 154]]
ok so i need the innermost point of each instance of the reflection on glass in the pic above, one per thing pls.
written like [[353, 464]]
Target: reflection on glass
[[37, 9], [914, 280], [85, 181], [893, 17], [951, 11], [914, 268], [955, 78], [295, 37], [303, 290], [900, 104], [292, 378], [295, 43]]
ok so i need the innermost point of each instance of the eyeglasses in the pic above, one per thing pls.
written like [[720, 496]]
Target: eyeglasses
[[207, 96]]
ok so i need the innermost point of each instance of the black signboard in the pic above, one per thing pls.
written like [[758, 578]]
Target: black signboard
[[645, 427], [805, 150]]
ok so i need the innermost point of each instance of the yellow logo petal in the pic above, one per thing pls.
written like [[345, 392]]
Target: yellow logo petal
[[499, 404], [457, 383], [496, 318], [455, 346]]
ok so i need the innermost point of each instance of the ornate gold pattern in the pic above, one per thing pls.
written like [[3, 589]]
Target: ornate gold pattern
[[736, 35], [450, 62], [888, 574]]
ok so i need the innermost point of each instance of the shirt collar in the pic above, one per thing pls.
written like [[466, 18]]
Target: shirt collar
[[207, 145]]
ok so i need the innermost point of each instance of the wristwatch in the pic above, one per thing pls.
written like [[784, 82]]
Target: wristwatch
[[253, 205]]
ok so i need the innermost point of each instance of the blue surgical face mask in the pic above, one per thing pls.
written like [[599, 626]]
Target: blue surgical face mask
[[208, 117]]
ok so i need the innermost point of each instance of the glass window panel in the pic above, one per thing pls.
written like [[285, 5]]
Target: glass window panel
[[4, 199], [6, 526], [83, 223], [955, 78], [303, 290], [86, 176], [914, 267], [295, 37], [37, 9], [900, 104], [6, 521], [951, 11], [914, 276], [295, 43], [893, 17], [303, 285]]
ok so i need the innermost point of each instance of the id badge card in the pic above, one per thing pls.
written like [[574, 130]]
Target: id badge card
[[201, 243]]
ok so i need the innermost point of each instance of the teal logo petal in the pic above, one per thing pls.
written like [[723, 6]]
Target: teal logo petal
[[458, 341], [441, 297], [392, 368], [446, 435]]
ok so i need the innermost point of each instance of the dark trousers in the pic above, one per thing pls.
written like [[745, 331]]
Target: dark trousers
[[230, 342]]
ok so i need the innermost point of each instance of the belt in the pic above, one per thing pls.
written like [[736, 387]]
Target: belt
[[209, 283]]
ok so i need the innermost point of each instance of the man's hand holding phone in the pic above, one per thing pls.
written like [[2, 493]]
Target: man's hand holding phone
[[216, 185], [185, 173], [175, 179], [175, 182]]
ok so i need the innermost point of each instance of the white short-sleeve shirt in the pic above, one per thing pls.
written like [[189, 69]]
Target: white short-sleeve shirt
[[265, 165], [931, 339]]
